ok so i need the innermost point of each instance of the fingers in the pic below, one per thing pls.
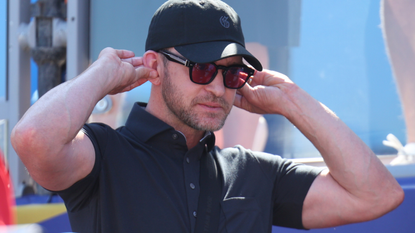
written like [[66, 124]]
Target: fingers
[[271, 78], [124, 53], [121, 53], [135, 61], [238, 100], [129, 87], [242, 97], [262, 93], [142, 75], [146, 73]]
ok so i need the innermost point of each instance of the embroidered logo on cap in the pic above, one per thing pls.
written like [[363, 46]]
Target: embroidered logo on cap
[[224, 21]]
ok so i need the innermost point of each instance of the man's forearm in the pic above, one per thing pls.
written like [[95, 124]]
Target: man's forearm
[[351, 162], [358, 186]]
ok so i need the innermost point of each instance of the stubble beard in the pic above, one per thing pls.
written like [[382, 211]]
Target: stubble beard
[[200, 121]]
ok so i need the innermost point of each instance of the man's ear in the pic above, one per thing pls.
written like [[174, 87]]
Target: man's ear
[[150, 60]]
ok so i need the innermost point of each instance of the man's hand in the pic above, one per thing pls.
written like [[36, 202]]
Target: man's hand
[[124, 71], [266, 94]]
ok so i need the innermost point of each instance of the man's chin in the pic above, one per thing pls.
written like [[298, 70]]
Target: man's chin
[[211, 124]]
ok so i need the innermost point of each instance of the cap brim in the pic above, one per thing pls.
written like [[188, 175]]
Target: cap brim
[[216, 50]]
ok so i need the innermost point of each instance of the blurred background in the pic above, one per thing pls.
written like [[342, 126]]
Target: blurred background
[[340, 52]]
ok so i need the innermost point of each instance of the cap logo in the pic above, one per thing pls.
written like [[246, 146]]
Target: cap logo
[[224, 21]]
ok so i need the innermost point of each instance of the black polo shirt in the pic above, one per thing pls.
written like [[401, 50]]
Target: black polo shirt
[[146, 180]]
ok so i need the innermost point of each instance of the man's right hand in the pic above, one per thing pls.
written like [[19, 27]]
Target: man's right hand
[[124, 71]]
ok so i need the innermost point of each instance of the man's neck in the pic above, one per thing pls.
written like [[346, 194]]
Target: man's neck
[[191, 135]]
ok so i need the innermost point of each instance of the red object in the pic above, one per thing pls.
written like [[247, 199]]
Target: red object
[[7, 201]]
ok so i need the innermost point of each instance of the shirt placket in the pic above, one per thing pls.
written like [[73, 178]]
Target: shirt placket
[[191, 167]]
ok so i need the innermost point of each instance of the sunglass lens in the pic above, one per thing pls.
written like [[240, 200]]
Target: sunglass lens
[[236, 77], [203, 73]]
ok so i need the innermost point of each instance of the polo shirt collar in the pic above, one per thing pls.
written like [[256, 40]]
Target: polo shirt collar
[[143, 125], [208, 140]]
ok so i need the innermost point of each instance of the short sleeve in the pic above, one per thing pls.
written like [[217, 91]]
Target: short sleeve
[[290, 189], [291, 183], [83, 191]]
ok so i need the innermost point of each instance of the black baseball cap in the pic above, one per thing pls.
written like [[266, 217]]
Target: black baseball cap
[[202, 31]]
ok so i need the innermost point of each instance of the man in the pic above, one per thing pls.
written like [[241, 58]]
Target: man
[[149, 176]]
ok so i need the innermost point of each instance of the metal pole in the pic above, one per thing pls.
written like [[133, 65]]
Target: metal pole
[[48, 57], [77, 57], [18, 85]]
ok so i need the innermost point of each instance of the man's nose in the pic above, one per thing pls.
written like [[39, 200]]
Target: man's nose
[[216, 86]]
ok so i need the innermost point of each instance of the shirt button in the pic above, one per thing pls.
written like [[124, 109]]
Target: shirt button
[[194, 214], [174, 136], [187, 160], [192, 186]]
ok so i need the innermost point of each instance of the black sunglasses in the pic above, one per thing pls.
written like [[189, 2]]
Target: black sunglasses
[[234, 76]]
